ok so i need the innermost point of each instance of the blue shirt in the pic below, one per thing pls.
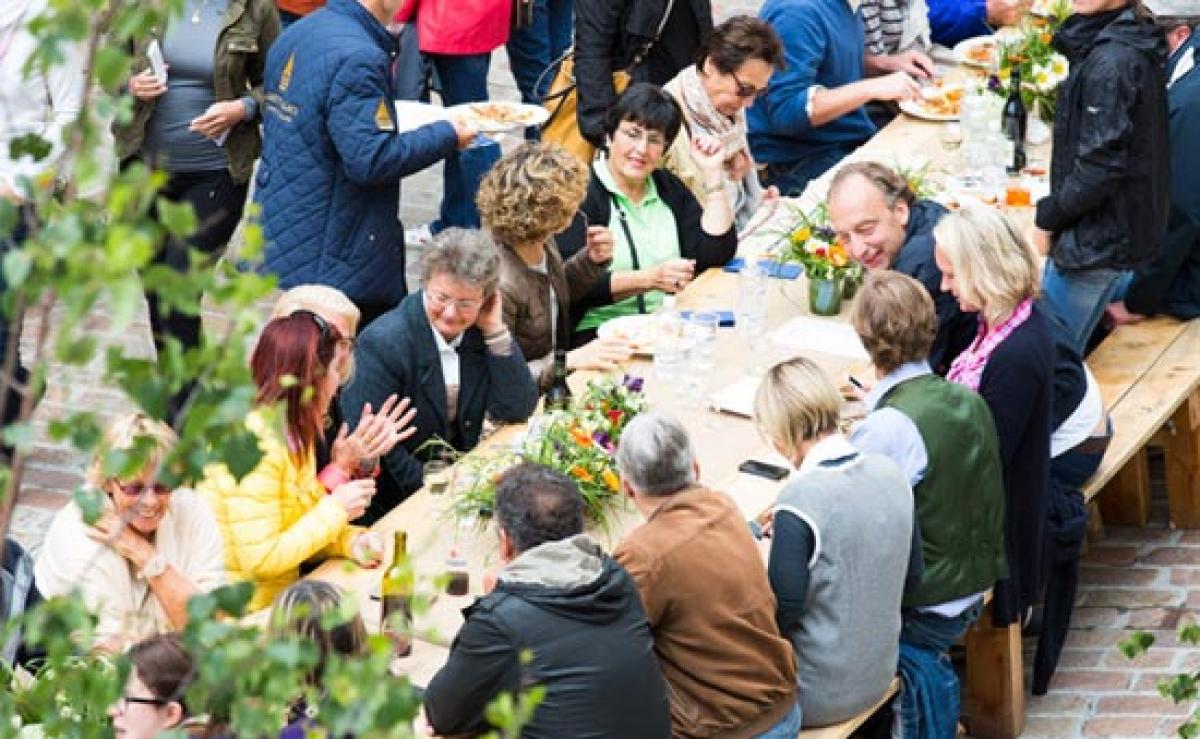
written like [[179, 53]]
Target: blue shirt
[[951, 21], [889, 432], [823, 45]]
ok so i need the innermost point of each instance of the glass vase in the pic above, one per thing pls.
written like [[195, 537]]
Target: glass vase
[[824, 296]]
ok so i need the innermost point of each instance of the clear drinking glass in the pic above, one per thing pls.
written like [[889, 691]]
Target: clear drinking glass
[[437, 475]]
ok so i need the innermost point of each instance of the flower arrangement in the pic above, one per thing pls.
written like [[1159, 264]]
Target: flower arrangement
[[580, 442], [811, 242], [1042, 68]]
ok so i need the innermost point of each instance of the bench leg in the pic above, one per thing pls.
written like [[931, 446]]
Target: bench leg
[[1095, 524], [1183, 465], [1125, 501], [994, 693]]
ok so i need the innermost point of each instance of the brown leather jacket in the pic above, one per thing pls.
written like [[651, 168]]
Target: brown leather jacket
[[526, 295], [729, 671], [247, 32]]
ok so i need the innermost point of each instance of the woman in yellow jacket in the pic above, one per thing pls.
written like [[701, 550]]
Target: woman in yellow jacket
[[283, 513]]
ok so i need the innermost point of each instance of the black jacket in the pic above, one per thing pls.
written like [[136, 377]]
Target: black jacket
[[1109, 175], [956, 330], [610, 33], [1171, 284], [590, 645], [397, 354], [694, 243]]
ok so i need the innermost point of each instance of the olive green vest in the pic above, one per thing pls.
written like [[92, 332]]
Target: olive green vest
[[960, 499]]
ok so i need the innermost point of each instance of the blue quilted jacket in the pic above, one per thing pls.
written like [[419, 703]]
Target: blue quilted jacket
[[332, 160]]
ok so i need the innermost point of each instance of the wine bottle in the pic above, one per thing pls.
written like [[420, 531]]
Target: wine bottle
[[396, 592], [1013, 121], [558, 397]]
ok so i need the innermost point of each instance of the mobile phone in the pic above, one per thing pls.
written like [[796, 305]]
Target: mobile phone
[[762, 469], [157, 64]]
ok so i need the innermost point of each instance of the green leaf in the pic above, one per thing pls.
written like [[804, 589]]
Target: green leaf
[[233, 599], [111, 67], [1190, 633], [1136, 644], [17, 265], [90, 502], [178, 218], [126, 300], [30, 145]]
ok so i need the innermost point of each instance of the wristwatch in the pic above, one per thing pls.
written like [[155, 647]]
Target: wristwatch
[[155, 566]]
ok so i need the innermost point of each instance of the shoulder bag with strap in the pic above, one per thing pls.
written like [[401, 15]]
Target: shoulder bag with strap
[[633, 255], [562, 100]]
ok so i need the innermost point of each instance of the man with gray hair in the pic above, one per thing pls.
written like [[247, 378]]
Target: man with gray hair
[[561, 597], [705, 591]]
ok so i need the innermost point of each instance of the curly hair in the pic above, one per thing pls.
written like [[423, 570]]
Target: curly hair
[[531, 194]]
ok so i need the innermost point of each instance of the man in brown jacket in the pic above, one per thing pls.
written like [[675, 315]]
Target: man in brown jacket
[[729, 672]]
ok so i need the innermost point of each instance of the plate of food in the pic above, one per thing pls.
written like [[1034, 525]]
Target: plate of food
[[981, 51], [498, 116], [940, 102], [637, 331]]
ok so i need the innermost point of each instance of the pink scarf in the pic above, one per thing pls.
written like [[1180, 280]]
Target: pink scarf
[[967, 368]]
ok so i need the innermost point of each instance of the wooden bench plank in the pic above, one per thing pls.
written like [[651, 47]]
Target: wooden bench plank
[[1183, 465], [1149, 403], [848, 727], [1128, 353]]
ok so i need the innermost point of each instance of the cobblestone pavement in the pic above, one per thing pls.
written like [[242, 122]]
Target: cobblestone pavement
[[1134, 579]]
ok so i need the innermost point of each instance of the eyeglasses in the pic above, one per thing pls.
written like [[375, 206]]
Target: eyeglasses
[[745, 90], [135, 489], [638, 135], [442, 300], [124, 701]]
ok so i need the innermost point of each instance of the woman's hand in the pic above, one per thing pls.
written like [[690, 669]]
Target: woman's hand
[[367, 549], [766, 522], [603, 354], [119, 536], [354, 496], [376, 434], [145, 86], [709, 156], [599, 244], [738, 166], [672, 275], [218, 119], [491, 315]]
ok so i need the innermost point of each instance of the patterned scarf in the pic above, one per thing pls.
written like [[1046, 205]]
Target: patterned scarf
[[701, 118], [967, 368]]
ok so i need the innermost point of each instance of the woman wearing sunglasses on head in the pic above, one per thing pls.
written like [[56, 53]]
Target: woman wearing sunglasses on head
[[661, 236], [283, 513], [152, 548], [733, 66]]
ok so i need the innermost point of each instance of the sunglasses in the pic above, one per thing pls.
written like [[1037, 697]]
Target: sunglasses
[[135, 489], [744, 90], [124, 701]]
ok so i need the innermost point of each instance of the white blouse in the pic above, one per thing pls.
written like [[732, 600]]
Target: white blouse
[[41, 104]]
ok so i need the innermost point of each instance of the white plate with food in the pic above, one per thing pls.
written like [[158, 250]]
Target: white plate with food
[[498, 116], [636, 330], [980, 51], [941, 102]]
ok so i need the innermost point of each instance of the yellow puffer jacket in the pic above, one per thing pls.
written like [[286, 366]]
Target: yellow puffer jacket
[[277, 517]]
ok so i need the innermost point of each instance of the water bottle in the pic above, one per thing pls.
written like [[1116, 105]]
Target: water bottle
[[668, 337], [752, 299]]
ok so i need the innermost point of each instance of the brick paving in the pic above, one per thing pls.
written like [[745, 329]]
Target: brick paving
[[1134, 579]]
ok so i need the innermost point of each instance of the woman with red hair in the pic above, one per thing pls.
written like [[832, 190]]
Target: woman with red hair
[[283, 512]]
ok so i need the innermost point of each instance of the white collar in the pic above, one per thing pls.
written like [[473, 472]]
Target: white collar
[[446, 347], [1185, 64], [834, 446], [906, 371]]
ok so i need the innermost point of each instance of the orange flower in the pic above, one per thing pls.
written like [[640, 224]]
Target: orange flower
[[580, 437], [579, 473], [837, 255], [1047, 38], [611, 480]]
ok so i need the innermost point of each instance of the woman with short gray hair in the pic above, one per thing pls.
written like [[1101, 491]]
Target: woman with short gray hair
[[446, 347]]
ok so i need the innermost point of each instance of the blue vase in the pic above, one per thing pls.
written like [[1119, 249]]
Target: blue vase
[[824, 296]]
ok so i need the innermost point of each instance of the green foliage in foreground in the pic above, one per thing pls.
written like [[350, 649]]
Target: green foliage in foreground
[[1181, 688]]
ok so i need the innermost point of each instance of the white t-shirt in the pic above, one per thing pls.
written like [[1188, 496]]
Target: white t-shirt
[[1086, 416]]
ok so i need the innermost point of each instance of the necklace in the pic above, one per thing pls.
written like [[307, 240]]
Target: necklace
[[196, 13]]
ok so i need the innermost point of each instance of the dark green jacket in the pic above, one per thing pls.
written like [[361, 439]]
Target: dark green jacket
[[960, 499], [247, 32]]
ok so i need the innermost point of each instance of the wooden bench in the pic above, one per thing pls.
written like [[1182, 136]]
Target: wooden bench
[[847, 728], [1149, 375]]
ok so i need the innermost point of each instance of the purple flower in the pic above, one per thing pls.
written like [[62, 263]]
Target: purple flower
[[994, 84], [633, 384], [603, 440]]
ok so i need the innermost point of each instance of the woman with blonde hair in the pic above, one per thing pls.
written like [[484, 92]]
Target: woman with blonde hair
[[841, 547], [152, 548], [529, 196], [990, 269]]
